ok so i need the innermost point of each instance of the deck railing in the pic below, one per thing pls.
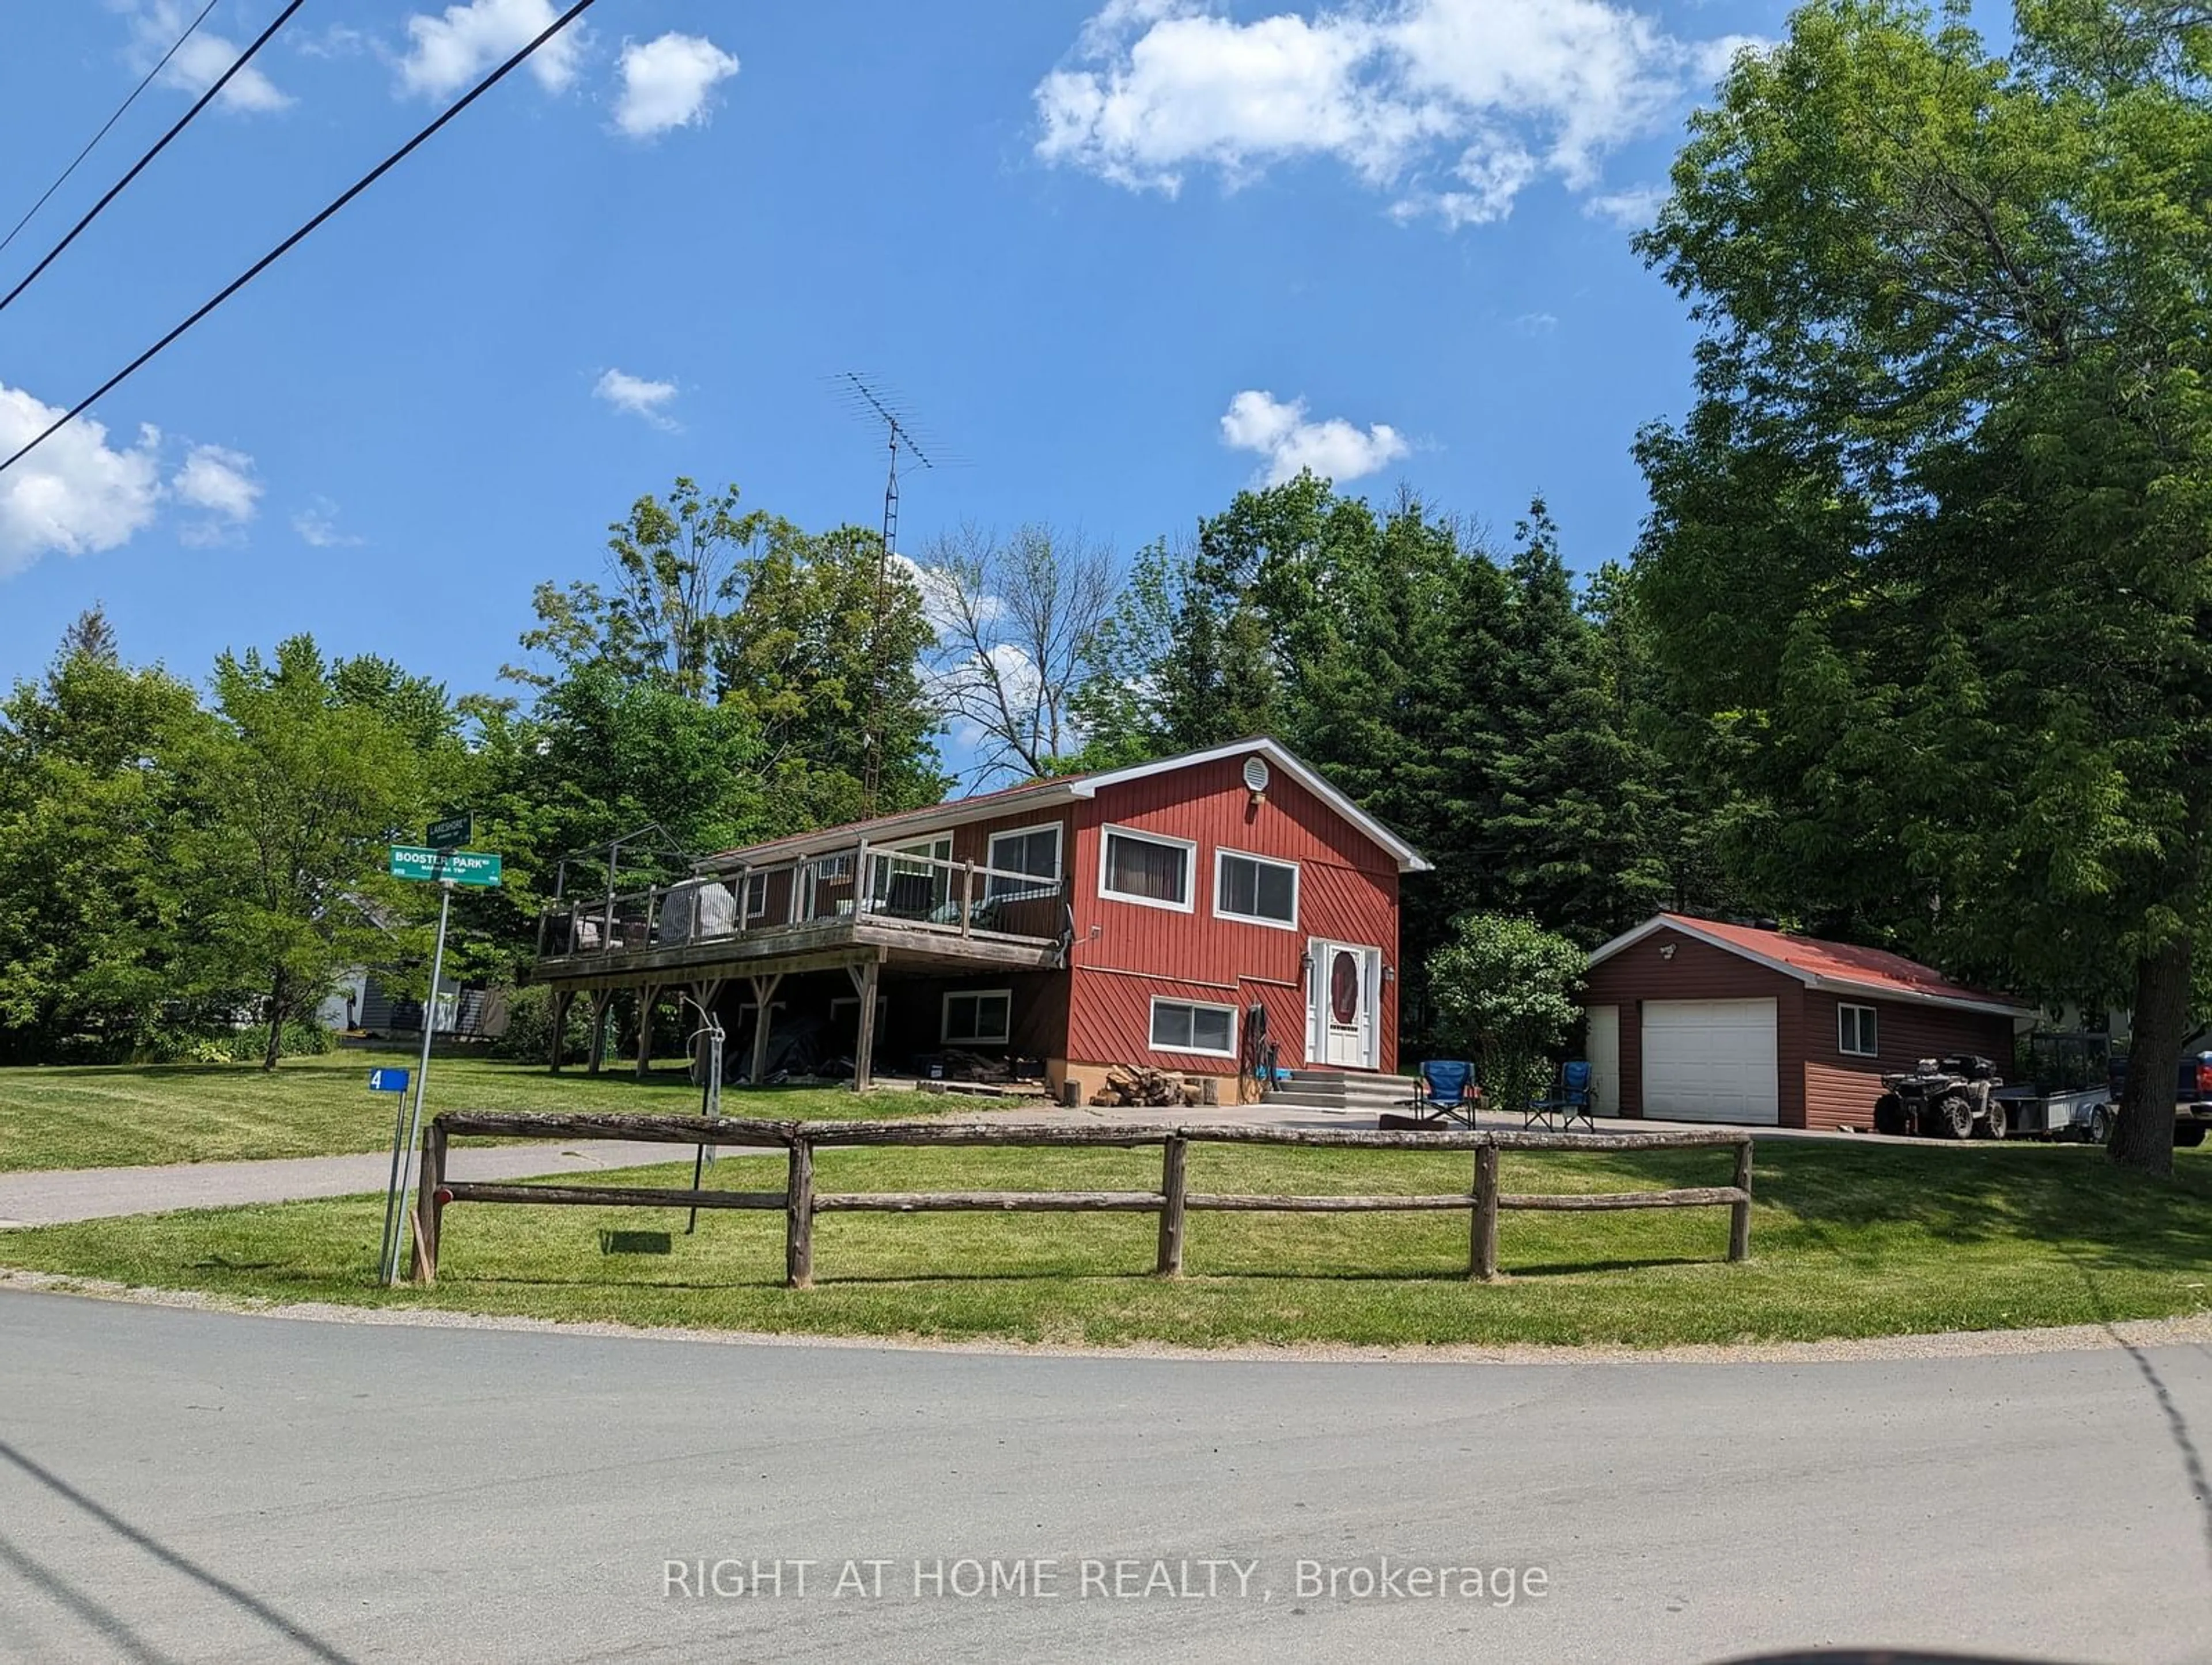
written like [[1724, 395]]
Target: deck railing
[[931, 893]]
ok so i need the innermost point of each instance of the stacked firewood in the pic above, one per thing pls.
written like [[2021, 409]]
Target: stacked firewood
[[961, 1066], [1134, 1083]]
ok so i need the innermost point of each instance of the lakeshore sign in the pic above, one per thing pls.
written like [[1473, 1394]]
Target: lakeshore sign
[[451, 833]]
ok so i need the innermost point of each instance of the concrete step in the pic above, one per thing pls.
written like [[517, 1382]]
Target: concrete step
[[1341, 1090]]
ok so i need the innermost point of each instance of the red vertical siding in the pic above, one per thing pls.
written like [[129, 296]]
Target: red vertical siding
[[1699, 971], [1126, 952], [1841, 1090]]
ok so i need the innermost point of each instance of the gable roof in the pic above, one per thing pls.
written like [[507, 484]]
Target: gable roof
[[1838, 967], [1067, 789]]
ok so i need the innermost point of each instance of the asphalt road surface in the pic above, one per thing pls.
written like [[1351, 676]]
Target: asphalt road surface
[[190, 1485]]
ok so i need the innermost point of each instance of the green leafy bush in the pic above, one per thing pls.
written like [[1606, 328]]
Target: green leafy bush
[[1504, 988]]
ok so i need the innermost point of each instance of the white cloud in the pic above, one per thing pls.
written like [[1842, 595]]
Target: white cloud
[[318, 527], [201, 59], [1631, 209], [1334, 449], [219, 480], [1454, 106], [75, 494], [1536, 322], [666, 82], [635, 396], [446, 52], [221, 483]]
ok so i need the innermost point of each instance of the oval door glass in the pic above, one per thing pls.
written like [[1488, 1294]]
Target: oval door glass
[[1344, 987]]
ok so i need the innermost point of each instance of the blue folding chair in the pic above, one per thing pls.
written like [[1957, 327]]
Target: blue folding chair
[[1446, 1092], [1575, 1101]]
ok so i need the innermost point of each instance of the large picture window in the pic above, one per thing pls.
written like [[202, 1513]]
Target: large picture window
[[979, 1018], [1145, 868], [1033, 851], [1251, 887], [1186, 1026]]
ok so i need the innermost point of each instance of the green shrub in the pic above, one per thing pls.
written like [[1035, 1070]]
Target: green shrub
[[529, 1037]]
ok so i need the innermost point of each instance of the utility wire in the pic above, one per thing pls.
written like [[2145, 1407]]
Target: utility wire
[[93, 141], [161, 144], [285, 247]]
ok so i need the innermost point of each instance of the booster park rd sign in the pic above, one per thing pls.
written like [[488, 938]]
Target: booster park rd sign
[[477, 867]]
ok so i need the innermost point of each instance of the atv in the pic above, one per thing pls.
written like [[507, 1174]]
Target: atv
[[1942, 1098]]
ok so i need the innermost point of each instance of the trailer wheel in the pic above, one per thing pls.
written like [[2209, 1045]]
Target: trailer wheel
[[1954, 1117], [2188, 1135], [2100, 1125], [1889, 1116]]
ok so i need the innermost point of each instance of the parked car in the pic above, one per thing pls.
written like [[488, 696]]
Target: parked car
[[2192, 1102]]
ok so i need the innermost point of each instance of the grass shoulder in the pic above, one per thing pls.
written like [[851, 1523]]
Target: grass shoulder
[[1848, 1240]]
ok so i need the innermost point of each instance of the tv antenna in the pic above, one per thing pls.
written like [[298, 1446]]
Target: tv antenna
[[867, 400]]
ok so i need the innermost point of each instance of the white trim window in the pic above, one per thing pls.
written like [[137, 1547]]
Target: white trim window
[[1191, 1026], [1151, 869], [1255, 889], [1855, 1031], [978, 1017], [1034, 851]]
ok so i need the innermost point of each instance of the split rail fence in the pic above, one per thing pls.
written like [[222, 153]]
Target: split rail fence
[[800, 1202]]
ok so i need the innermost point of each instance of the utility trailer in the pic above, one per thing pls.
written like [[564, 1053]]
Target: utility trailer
[[2068, 1094]]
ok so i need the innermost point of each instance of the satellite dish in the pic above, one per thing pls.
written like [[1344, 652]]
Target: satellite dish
[[1255, 774]]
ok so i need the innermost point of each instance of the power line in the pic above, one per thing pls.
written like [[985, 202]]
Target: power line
[[161, 144], [300, 235], [94, 140]]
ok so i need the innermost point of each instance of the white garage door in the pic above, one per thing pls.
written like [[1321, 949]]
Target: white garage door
[[1709, 1061]]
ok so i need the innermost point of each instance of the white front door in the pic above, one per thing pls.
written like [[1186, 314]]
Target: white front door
[[1344, 1003], [1710, 1060]]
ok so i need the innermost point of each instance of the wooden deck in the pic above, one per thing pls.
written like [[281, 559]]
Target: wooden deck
[[814, 945]]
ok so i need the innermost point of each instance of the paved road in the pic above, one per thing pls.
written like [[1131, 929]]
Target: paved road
[[49, 1198], [187, 1486]]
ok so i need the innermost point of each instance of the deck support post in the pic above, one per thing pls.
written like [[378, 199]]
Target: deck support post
[[600, 997], [645, 993], [564, 999], [763, 993], [864, 985]]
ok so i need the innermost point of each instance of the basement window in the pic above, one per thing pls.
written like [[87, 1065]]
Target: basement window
[[983, 1018], [1185, 1026], [1855, 1035]]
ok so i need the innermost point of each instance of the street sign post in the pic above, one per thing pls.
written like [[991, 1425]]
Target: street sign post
[[447, 867], [387, 1080], [479, 868], [451, 833]]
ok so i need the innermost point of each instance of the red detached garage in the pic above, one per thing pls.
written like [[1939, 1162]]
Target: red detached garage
[[1697, 1020]]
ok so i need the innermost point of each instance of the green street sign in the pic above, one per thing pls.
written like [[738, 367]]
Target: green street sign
[[451, 833], [479, 867]]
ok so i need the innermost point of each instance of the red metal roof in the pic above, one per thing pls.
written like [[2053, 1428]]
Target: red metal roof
[[1872, 969]]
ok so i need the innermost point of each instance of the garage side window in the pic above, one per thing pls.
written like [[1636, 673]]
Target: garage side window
[[1855, 1036]]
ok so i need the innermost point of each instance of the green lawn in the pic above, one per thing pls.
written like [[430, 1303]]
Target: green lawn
[[109, 1116], [1847, 1241]]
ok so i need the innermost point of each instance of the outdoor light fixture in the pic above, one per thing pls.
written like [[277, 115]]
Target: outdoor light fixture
[[1667, 952]]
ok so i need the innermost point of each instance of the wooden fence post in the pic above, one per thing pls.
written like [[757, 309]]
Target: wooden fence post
[[1740, 1213], [1173, 1166], [1482, 1258], [799, 1215], [427, 1207]]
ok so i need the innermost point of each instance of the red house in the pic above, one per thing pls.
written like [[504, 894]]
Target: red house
[[1698, 1020], [1181, 913]]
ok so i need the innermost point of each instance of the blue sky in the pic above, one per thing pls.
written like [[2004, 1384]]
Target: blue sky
[[1124, 256]]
